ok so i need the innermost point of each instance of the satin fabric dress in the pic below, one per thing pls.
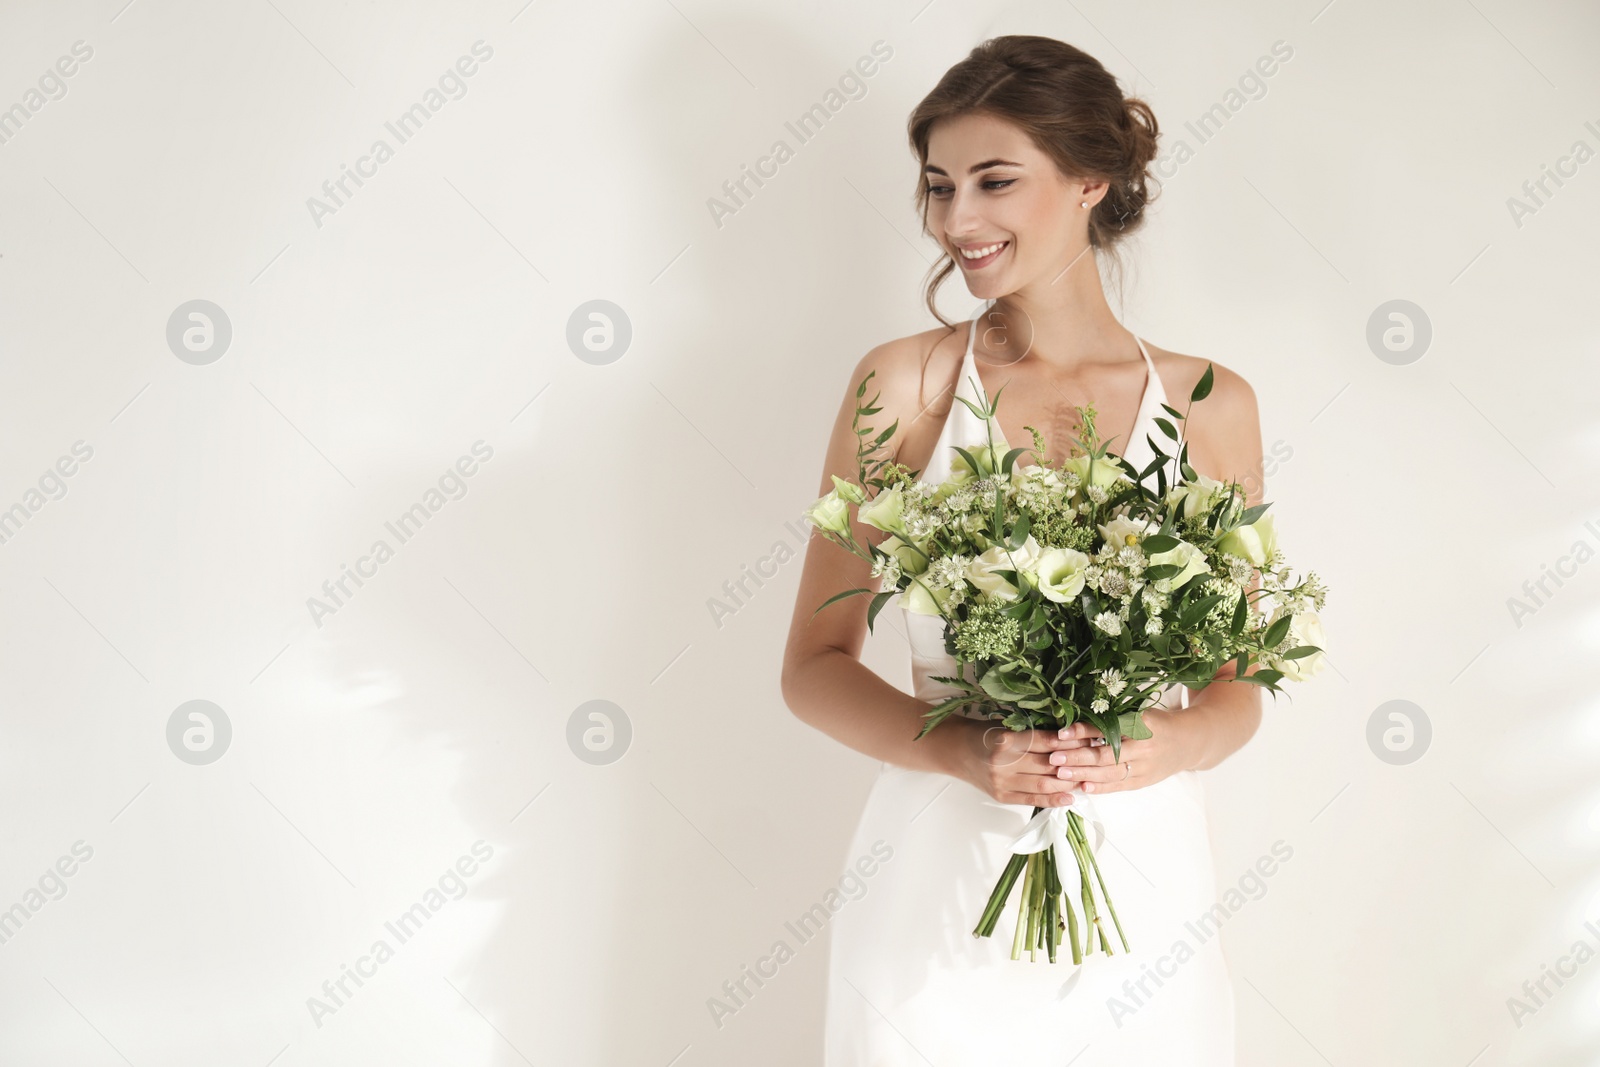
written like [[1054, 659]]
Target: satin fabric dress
[[909, 985]]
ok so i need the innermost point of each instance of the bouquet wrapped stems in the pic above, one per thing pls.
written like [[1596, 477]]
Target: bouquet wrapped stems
[[1043, 900]]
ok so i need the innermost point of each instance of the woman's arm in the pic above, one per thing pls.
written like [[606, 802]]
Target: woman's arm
[[825, 683], [1224, 433]]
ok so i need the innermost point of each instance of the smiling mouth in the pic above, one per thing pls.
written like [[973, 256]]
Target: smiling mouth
[[983, 255]]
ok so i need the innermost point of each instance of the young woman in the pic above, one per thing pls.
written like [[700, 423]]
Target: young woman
[[1033, 165]]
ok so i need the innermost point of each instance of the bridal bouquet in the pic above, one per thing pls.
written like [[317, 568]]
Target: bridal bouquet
[[1075, 593]]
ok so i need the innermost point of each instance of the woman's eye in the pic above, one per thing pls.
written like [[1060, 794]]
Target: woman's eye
[[942, 191]]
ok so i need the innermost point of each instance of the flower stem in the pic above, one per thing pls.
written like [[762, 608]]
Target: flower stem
[[1036, 907], [1112, 908], [1022, 912], [997, 899]]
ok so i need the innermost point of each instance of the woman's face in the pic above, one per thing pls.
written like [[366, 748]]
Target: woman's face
[[991, 191]]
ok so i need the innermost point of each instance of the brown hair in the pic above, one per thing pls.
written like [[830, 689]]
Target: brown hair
[[1073, 110]]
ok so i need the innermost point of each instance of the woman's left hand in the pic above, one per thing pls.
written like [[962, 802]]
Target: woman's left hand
[[1168, 750]]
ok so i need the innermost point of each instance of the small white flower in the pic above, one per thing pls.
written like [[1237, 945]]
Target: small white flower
[[1109, 622], [1113, 582], [1114, 682], [1153, 625], [1096, 494], [887, 568], [1100, 706], [1239, 569]]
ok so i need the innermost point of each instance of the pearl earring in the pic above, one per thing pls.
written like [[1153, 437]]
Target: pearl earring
[[1083, 203]]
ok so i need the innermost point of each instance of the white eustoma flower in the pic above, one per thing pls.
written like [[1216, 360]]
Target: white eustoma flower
[[830, 513], [1061, 573], [885, 511], [981, 572]]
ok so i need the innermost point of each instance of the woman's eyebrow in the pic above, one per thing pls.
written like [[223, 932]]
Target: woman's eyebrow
[[975, 168]]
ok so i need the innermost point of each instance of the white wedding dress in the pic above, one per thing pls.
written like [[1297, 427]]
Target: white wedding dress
[[910, 986]]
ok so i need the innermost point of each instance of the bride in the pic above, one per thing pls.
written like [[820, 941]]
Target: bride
[[1033, 165]]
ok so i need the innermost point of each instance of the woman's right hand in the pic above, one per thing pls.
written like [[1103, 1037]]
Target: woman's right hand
[[1013, 766]]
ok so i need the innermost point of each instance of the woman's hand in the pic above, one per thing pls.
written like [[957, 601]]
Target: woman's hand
[[1014, 766], [1168, 750]]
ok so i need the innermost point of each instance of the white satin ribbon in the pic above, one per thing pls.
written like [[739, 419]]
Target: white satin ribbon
[[1049, 827]]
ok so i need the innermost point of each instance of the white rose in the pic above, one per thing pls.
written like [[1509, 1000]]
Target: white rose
[[1123, 530], [1306, 629], [912, 555], [1106, 472], [1196, 498], [1190, 558], [922, 599], [1256, 542], [981, 572], [1038, 477]]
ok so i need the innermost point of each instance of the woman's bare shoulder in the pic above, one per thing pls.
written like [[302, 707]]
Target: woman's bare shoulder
[[1231, 395], [913, 378], [1224, 429]]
